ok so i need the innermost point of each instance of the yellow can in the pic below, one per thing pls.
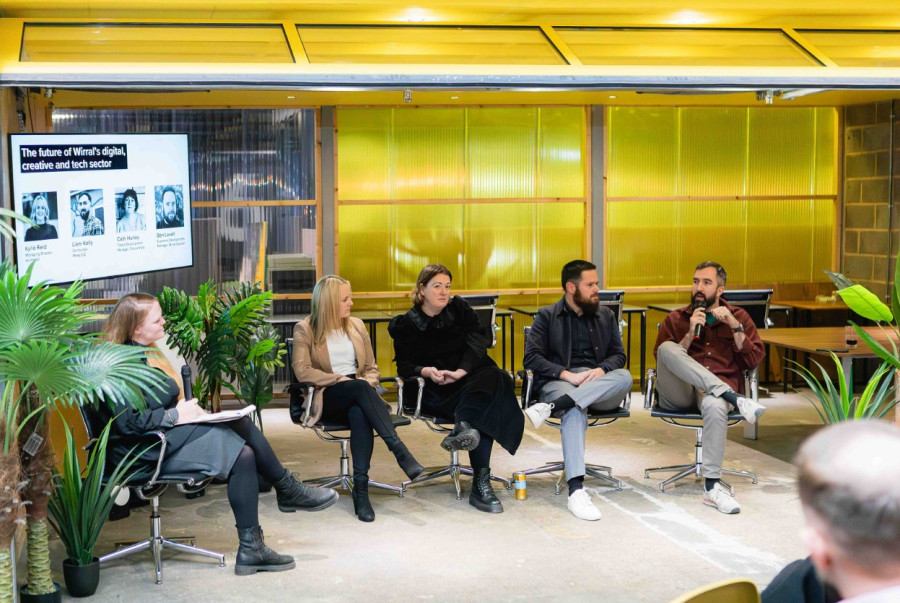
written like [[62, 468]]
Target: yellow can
[[521, 486]]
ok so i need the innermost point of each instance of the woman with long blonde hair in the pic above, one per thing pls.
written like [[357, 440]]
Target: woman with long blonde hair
[[332, 351], [235, 451]]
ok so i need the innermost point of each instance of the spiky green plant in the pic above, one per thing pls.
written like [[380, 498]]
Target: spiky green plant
[[835, 404], [45, 362], [228, 338], [83, 497]]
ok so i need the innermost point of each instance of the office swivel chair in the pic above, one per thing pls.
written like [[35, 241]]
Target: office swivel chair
[[595, 419], [326, 431], [150, 489]]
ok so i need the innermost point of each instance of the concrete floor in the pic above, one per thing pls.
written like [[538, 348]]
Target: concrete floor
[[648, 546]]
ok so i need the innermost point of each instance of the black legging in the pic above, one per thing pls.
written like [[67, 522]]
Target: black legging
[[255, 458], [357, 402]]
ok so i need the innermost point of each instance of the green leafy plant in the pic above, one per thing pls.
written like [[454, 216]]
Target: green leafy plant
[[82, 497], [46, 362], [835, 404], [229, 340]]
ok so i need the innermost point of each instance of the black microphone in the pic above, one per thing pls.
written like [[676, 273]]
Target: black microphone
[[698, 303], [186, 382]]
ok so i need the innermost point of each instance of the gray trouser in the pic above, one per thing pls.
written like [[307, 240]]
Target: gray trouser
[[603, 394], [685, 384]]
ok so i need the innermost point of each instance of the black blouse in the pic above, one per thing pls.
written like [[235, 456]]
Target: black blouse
[[452, 340]]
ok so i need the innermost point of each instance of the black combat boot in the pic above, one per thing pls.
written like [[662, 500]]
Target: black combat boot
[[463, 437], [254, 556], [482, 496], [411, 467], [295, 496], [361, 505]]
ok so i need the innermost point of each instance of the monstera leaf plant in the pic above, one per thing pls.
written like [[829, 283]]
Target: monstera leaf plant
[[228, 339], [45, 362]]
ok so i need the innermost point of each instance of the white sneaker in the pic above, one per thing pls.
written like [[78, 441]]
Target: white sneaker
[[581, 506], [538, 413], [719, 498], [750, 409]]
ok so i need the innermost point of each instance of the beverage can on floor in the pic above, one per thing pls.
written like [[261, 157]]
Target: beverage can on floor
[[521, 486]]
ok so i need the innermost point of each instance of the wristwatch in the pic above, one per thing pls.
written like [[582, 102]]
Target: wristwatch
[[738, 329]]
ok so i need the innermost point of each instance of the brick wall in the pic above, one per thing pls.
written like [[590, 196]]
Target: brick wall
[[870, 227]]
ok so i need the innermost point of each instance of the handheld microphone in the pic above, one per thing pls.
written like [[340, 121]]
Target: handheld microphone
[[697, 328], [186, 382]]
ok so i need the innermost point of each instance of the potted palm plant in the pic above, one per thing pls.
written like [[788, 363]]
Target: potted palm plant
[[228, 339], [81, 500], [45, 362]]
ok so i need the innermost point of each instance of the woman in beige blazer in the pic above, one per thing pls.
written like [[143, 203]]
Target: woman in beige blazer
[[333, 352]]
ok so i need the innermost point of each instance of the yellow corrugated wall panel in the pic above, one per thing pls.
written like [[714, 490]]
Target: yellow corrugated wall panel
[[782, 240], [826, 151], [426, 235], [642, 151], [364, 161], [643, 243], [561, 160], [711, 230], [560, 239], [781, 151], [712, 161], [500, 239], [365, 246], [501, 147], [429, 145]]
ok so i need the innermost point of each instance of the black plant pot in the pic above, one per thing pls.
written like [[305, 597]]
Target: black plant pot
[[26, 597], [81, 580]]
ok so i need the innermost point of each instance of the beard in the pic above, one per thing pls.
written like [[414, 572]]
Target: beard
[[701, 300], [84, 213], [588, 305]]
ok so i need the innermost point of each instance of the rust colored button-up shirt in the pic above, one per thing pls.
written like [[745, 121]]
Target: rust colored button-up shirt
[[715, 349]]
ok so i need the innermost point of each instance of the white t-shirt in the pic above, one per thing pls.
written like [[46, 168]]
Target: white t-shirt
[[341, 353]]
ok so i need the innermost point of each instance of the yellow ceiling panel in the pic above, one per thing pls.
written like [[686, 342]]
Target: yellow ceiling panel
[[695, 47], [148, 43], [428, 45], [858, 48]]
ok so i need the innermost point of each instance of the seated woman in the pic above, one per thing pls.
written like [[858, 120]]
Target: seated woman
[[333, 352], [441, 340], [235, 451]]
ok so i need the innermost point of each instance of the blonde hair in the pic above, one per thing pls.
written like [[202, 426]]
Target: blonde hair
[[40, 200], [325, 313], [425, 275], [126, 316]]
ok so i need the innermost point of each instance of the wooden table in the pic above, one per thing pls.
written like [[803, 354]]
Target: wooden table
[[808, 306], [627, 310], [821, 340]]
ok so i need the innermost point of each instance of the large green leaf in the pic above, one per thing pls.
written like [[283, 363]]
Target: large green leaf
[[866, 304]]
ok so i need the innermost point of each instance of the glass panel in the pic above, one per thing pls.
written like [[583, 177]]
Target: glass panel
[[154, 43], [500, 243], [562, 137], [781, 151], [430, 154], [364, 161], [643, 243], [560, 239], [826, 151], [235, 155], [365, 255], [712, 137], [774, 228], [643, 151], [597, 46], [857, 48], [428, 45], [502, 152], [438, 239]]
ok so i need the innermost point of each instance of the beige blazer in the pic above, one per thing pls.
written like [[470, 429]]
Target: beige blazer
[[312, 364]]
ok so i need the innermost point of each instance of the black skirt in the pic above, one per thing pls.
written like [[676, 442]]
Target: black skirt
[[485, 398]]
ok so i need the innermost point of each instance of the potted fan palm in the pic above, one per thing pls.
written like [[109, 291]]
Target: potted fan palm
[[45, 362], [228, 339], [79, 505]]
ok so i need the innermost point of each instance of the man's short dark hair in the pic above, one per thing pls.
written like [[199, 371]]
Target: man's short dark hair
[[84, 194], [571, 272], [721, 275]]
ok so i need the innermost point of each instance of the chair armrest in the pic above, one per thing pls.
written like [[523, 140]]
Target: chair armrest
[[159, 461], [649, 389], [400, 383], [307, 406], [751, 384]]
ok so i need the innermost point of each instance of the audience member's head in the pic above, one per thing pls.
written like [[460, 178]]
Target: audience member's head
[[426, 274], [330, 306], [850, 491]]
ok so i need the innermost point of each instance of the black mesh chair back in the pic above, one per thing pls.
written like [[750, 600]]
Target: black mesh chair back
[[614, 300], [485, 307], [754, 301]]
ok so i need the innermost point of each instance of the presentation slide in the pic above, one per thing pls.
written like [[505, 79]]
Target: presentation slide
[[103, 204]]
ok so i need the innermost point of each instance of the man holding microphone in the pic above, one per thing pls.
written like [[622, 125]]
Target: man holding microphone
[[701, 353]]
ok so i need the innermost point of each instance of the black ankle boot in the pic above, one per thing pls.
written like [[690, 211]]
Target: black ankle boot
[[361, 505], [254, 556], [463, 437], [482, 496], [411, 467], [295, 496]]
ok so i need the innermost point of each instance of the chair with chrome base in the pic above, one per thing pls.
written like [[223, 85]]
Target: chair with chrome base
[[693, 420], [325, 430], [595, 419], [150, 489], [440, 425]]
